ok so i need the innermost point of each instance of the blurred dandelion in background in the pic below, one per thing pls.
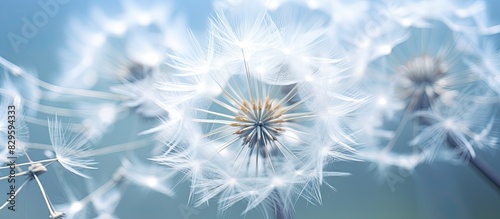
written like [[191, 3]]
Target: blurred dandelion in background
[[425, 76], [162, 108]]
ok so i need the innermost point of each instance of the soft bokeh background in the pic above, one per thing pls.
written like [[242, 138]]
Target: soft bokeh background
[[438, 191]]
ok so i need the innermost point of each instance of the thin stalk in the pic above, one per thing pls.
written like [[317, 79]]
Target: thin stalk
[[481, 167], [45, 197], [279, 208], [486, 171]]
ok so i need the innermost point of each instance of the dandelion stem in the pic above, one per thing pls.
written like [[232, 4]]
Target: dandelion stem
[[482, 168], [404, 121], [279, 208], [280, 214], [486, 171], [45, 197]]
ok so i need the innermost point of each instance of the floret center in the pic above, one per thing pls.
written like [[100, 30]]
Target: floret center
[[422, 77], [259, 124], [424, 70]]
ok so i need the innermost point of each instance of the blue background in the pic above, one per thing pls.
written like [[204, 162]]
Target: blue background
[[438, 191]]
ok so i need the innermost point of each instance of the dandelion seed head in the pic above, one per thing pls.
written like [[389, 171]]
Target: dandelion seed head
[[253, 129], [424, 71], [422, 75], [106, 44], [259, 123], [276, 83]]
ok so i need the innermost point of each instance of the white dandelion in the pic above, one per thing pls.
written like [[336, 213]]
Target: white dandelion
[[427, 66], [257, 139]]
